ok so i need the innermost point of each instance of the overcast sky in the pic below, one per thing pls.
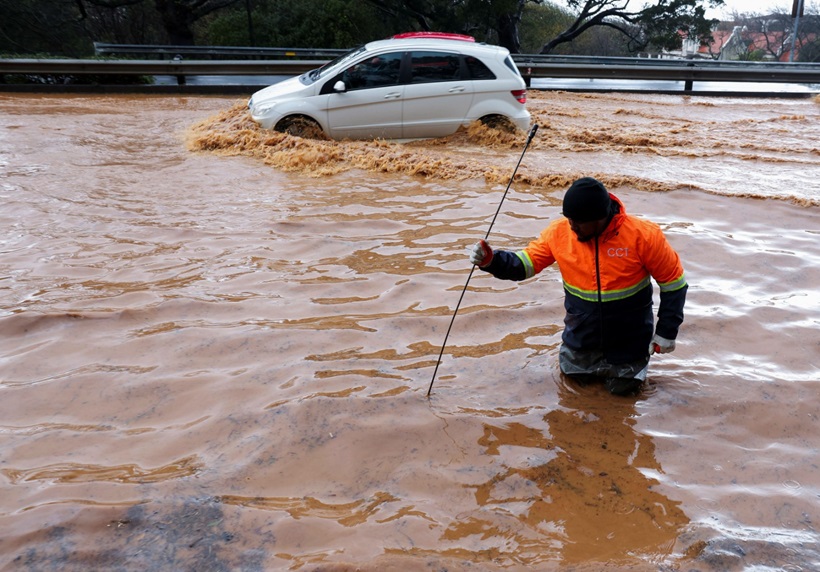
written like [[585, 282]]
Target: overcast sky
[[747, 6], [758, 6]]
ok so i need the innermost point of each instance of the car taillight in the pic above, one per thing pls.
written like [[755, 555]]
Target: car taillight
[[520, 95]]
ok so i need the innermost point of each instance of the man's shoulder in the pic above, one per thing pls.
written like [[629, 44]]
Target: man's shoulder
[[640, 224], [560, 224]]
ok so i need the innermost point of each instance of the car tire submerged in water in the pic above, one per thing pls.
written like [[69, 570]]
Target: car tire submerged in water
[[498, 122], [301, 126]]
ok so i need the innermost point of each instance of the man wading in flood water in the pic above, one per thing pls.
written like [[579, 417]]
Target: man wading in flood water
[[606, 258]]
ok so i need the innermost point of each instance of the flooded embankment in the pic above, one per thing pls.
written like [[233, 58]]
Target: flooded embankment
[[216, 343]]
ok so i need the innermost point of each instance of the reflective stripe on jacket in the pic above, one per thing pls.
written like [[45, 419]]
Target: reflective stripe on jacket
[[608, 293]]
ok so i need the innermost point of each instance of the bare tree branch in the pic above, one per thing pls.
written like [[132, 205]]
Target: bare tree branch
[[659, 20]]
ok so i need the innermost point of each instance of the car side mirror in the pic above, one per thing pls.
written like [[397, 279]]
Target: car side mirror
[[339, 86]]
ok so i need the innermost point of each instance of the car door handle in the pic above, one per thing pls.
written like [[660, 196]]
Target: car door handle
[[393, 95], [457, 89]]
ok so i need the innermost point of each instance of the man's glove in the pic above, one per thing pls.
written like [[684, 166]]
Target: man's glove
[[481, 254], [660, 345]]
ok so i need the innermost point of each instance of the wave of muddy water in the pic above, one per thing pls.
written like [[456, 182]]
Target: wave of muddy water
[[216, 344]]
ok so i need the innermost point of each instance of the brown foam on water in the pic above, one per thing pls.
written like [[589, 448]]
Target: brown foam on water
[[613, 127], [232, 132]]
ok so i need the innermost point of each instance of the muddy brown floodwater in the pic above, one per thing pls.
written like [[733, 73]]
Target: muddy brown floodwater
[[215, 344]]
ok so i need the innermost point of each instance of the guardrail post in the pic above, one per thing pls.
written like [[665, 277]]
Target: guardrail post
[[181, 79], [688, 84]]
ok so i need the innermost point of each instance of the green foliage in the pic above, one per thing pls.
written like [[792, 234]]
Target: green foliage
[[599, 41], [752, 56], [39, 26], [494, 21], [228, 29], [137, 23], [541, 21], [810, 52], [308, 24], [665, 21], [69, 27], [593, 27]]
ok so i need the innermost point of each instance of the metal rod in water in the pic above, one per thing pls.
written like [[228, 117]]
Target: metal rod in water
[[464, 290]]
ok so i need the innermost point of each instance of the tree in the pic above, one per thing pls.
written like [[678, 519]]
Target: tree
[[809, 33], [662, 23], [38, 27], [130, 24], [770, 35], [421, 14], [504, 16], [308, 23], [177, 16], [488, 20], [810, 52], [541, 21]]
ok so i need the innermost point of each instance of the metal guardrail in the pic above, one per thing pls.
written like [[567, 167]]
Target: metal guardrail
[[213, 52], [522, 59], [687, 71], [531, 67], [159, 67], [244, 52]]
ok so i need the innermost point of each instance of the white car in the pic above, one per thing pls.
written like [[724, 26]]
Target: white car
[[414, 85]]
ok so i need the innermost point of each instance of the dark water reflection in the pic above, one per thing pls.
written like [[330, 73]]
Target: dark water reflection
[[584, 486], [217, 359]]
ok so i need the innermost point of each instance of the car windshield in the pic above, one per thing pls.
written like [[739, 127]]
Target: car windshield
[[314, 75]]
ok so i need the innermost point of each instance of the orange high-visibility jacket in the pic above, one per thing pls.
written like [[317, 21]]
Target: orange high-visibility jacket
[[608, 292]]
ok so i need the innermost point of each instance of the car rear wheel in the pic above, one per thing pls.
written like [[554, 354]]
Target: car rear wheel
[[498, 122], [301, 126]]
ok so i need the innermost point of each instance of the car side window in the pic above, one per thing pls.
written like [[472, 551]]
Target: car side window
[[477, 68], [377, 71], [427, 67]]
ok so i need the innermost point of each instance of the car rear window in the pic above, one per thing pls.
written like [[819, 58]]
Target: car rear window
[[426, 67], [511, 64], [477, 68]]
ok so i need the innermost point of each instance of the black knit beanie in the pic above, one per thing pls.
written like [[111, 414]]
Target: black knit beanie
[[586, 200]]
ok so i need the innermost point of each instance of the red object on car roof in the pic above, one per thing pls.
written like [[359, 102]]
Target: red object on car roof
[[434, 35]]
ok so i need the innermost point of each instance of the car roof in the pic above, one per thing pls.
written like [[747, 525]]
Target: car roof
[[433, 43]]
